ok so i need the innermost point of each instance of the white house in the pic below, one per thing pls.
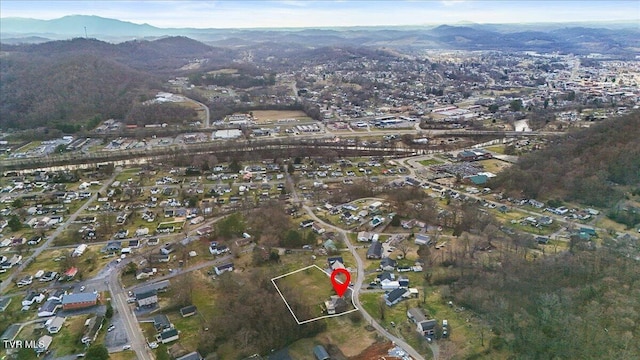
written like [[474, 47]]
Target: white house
[[387, 284], [364, 236], [422, 239], [223, 268], [31, 298], [54, 325]]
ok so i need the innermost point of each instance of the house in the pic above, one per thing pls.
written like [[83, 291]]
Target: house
[[403, 281], [427, 328], [330, 245], [48, 276], [408, 224], [147, 298], [167, 249], [188, 311], [320, 353], [416, 315], [71, 273], [54, 325], [191, 356], [385, 275], [56, 295], [216, 249], [387, 264], [159, 258], [221, 269], [49, 308], [422, 239], [364, 236], [32, 297], [92, 328], [43, 344], [317, 228], [336, 263], [112, 246], [375, 250], [79, 300], [335, 305], [375, 205], [168, 336], [145, 273], [395, 296], [79, 250], [161, 323], [306, 223], [387, 284], [4, 303], [545, 221], [141, 232]]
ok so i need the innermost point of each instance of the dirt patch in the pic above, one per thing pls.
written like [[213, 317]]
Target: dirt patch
[[377, 351]]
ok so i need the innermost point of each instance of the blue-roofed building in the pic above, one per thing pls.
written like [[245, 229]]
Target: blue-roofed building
[[320, 353]]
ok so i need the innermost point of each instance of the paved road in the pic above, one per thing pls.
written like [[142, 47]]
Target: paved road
[[56, 233], [132, 328], [219, 261]]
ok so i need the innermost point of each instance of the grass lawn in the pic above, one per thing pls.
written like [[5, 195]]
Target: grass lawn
[[466, 331], [263, 116], [13, 314], [494, 165], [311, 287], [498, 149], [67, 341], [129, 173], [430, 162], [123, 355], [348, 333]]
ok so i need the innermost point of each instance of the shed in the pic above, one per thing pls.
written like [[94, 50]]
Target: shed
[[188, 311]]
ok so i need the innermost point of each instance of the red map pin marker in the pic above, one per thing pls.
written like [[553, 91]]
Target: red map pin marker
[[339, 287]]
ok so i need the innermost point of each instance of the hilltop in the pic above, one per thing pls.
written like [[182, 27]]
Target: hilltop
[[593, 166], [578, 38], [72, 81]]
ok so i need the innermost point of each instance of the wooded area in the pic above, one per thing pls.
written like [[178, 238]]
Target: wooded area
[[593, 166]]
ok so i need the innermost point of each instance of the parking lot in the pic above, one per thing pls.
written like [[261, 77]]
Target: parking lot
[[117, 337]]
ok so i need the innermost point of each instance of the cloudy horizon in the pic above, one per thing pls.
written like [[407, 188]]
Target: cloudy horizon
[[280, 14]]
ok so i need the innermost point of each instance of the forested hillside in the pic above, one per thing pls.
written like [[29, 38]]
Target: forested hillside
[[581, 304], [66, 89], [66, 84], [593, 166]]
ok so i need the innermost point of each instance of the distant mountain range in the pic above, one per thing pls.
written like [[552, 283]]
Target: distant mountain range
[[615, 38]]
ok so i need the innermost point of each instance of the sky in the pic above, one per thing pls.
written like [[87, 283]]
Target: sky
[[327, 13]]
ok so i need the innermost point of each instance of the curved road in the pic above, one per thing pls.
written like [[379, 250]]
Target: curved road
[[359, 279]]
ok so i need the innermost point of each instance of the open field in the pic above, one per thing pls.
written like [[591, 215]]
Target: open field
[[430, 162], [67, 341], [494, 165], [263, 116], [223, 71], [310, 287]]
